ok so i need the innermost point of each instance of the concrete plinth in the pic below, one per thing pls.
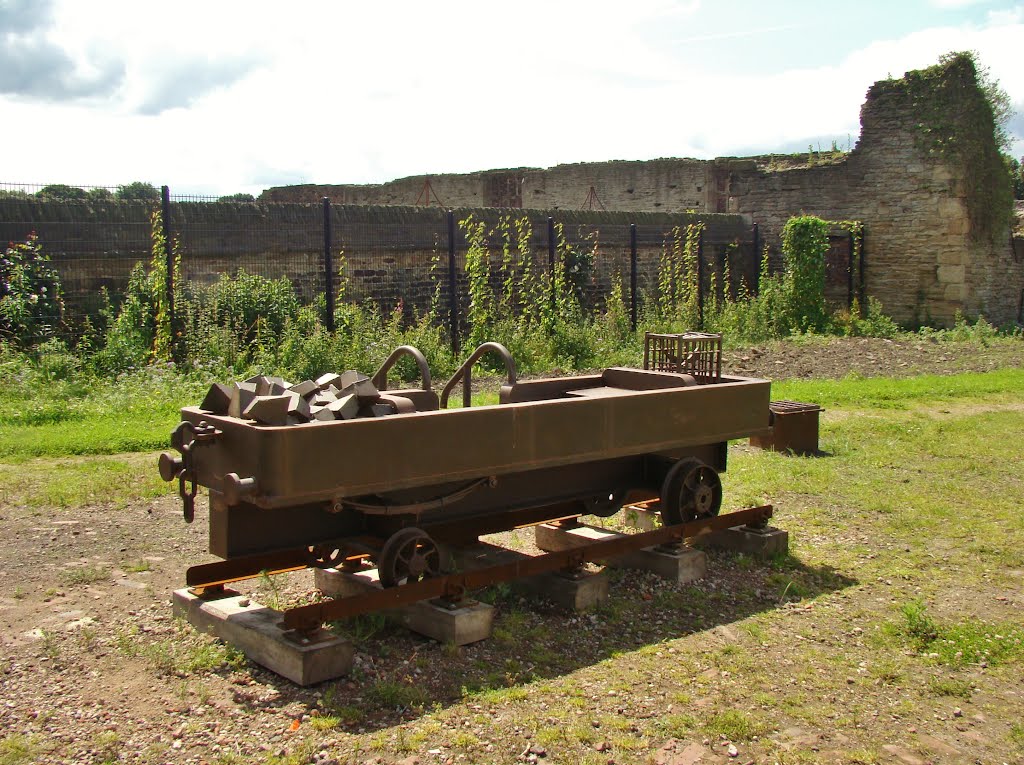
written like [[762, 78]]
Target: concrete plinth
[[576, 591], [460, 624], [255, 630], [760, 543], [551, 537], [639, 517], [680, 565]]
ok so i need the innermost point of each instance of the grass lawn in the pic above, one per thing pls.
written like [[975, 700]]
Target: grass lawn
[[892, 631]]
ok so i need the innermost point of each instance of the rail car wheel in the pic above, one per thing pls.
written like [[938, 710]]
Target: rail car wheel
[[325, 556], [409, 555], [691, 490], [604, 505]]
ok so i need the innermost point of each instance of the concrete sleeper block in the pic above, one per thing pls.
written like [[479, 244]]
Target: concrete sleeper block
[[241, 397], [345, 408], [218, 399], [279, 381], [322, 399], [274, 401], [364, 389], [261, 385], [305, 388], [381, 410], [351, 377], [325, 381], [269, 410], [298, 407], [322, 414]]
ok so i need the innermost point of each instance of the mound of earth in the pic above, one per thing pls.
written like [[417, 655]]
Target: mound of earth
[[837, 357]]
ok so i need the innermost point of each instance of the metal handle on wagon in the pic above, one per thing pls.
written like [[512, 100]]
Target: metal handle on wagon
[[380, 377], [172, 467], [463, 372]]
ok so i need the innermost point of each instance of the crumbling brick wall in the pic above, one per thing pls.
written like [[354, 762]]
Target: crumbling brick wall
[[388, 252], [925, 179]]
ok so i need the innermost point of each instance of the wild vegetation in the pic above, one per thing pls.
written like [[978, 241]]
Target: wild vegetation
[[121, 379], [963, 116], [128, 192], [889, 630], [547, 318]]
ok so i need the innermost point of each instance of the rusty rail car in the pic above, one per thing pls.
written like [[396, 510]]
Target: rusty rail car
[[392, 489]]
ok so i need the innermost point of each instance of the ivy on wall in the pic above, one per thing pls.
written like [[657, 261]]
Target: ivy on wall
[[957, 121], [804, 247]]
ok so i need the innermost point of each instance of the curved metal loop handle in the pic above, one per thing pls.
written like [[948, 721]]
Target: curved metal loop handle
[[183, 468], [188, 495], [380, 377], [178, 441], [463, 372]]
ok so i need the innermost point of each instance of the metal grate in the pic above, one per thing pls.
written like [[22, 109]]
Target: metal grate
[[694, 353], [792, 407]]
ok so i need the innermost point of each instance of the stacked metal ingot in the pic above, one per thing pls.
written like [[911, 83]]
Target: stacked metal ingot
[[274, 401]]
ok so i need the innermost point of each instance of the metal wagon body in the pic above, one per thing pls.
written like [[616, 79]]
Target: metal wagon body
[[552, 448]]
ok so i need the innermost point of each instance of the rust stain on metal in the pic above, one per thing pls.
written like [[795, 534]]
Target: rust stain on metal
[[388, 476], [794, 428]]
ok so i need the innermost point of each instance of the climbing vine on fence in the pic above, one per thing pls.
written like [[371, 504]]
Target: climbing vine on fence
[[804, 247], [141, 331], [678, 273], [478, 278]]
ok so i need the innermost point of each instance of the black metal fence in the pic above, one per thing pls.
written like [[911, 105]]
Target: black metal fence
[[395, 256]]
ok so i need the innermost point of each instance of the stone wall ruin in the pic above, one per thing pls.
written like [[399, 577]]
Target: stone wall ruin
[[925, 178]]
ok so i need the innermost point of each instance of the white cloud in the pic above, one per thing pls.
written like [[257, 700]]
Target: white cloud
[[1007, 16], [253, 95]]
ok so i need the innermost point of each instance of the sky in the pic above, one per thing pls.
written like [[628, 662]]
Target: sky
[[239, 95]]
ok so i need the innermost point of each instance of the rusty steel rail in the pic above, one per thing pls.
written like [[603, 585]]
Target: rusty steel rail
[[455, 586], [278, 562]]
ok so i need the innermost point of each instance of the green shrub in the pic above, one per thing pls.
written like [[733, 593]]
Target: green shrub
[[804, 247], [31, 305], [62, 192], [55, 362], [677, 300], [245, 323], [249, 306], [754, 318], [961, 643], [138, 190], [980, 331], [141, 332], [874, 323]]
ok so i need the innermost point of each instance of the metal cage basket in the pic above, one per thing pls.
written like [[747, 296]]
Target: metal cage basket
[[693, 353]]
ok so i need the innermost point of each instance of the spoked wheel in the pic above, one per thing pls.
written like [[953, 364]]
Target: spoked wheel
[[604, 505], [409, 555], [325, 556], [691, 490]]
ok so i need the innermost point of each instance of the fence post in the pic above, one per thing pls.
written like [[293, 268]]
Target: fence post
[[328, 268], [551, 259], [632, 276], [757, 259], [721, 288], [453, 302], [165, 215], [851, 245], [862, 289], [700, 279]]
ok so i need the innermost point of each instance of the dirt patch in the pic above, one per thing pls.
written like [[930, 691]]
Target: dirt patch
[[835, 358], [755, 663]]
